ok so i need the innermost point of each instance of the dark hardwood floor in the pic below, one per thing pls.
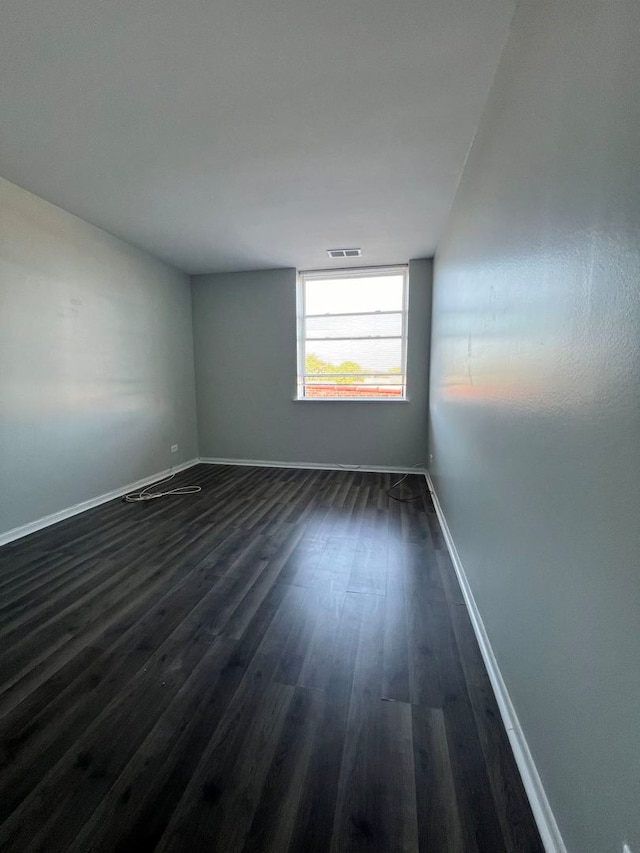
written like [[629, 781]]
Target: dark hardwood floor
[[282, 662]]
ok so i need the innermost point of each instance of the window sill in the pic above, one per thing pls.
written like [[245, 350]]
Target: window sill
[[350, 400]]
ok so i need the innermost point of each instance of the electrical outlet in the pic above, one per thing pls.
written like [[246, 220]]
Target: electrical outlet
[[174, 448]]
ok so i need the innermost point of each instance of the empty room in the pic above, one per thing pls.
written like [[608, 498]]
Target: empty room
[[320, 426]]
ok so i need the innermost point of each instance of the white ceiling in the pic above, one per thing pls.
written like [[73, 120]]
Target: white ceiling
[[245, 134]]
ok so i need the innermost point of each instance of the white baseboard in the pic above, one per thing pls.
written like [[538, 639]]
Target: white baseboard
[[54, 518], [320, 466], [545, 820]]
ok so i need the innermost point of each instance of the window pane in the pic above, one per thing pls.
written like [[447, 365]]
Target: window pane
[[369, 356], [340, 296], [355, 326]]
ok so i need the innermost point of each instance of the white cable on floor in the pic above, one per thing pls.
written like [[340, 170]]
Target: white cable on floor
[[146, 495]]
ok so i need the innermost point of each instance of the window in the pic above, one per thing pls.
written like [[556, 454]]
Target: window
[[352, 334]]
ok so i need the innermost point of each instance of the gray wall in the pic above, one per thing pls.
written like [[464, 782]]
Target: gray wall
[[535, 389], [245, 353], [96, 361]]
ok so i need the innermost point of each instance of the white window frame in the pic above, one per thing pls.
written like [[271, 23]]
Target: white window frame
[[354, 272]]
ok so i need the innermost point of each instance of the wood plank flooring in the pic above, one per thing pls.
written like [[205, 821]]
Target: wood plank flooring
[[282, 662]]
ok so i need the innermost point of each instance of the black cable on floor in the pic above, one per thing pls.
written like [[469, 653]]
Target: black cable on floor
[[402, 500]]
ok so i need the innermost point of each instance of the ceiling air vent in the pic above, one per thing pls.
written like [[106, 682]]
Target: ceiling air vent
[[344, 253]]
